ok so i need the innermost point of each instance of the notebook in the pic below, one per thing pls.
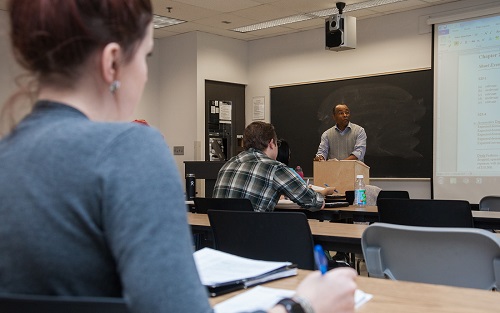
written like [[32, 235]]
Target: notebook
[[338, 204], [222, 272]]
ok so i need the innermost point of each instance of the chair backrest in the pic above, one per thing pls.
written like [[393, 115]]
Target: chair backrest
[[15, 303], [463, 257], [425, 212], [269, 236], [490, 203], [349, 196], [396, 194], [202, 205]]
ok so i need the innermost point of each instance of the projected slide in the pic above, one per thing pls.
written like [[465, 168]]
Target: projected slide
[[479, 140], [467, 94]]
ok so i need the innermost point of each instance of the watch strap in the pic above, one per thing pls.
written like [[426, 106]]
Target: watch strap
[[306, 306], [291, 306]]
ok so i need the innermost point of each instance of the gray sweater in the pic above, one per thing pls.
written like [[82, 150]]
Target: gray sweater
[[94, 209]]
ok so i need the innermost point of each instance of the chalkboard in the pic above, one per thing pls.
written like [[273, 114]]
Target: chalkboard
[[396, 111]]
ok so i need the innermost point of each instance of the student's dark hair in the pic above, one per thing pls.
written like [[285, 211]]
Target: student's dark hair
[[283, 152], [52, 39], [258, 134]]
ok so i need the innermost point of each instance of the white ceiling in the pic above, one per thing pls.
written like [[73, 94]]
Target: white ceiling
[[219, 16]]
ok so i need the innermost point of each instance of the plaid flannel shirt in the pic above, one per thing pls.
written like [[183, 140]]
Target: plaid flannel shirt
[[253, 175]]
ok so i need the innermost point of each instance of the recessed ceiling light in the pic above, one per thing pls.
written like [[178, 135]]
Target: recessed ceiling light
[[311, 15], [273, 23], [163, 21]]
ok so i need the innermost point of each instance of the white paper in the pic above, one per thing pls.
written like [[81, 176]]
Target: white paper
[[361, 297], [225, 112], [316, 188], [258, 108], [264, 298], [215, 267], [258, 298]]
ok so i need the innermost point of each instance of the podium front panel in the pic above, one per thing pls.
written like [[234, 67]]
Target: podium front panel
[[340, 174]]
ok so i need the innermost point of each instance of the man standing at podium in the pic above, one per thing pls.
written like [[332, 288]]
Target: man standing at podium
[[344, 141]]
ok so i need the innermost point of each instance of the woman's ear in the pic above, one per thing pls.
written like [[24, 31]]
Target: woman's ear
[[110, 61]]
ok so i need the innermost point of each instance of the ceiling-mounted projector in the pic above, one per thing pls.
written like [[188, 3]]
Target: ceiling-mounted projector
[[340, 31]]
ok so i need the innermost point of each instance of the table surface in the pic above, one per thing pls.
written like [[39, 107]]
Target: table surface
[[287, 204], [317, 228], [374, 209], [398, 296]]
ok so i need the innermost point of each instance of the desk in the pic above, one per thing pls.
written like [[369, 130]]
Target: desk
[[486, 219], [332, 236], [332, 214], [408, 297], [482, 219]]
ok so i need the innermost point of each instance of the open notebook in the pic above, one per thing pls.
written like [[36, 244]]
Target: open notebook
[[222, 272]]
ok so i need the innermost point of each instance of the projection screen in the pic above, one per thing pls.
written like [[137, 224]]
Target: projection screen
[[467, 109]]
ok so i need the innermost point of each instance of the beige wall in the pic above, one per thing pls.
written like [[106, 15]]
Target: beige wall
[[8, 66]]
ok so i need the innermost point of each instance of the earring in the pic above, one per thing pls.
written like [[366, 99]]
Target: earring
[[114, 86]]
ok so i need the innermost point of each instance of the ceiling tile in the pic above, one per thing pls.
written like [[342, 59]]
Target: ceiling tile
[[208, 15], [222, 5], [221, 21]]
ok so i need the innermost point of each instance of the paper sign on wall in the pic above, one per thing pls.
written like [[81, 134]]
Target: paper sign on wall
[[258, 108]]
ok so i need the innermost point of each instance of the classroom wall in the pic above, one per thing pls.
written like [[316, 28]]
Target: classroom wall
[[176, 101], [8, 66], [185, 62]]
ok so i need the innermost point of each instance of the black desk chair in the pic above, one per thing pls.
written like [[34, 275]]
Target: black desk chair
[[202, 205], [17, 303], [395, 194], [269, 236], [349, 196], [425, 212]]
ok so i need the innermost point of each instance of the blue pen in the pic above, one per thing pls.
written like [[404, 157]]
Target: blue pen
[[334, 190], [320, 258]]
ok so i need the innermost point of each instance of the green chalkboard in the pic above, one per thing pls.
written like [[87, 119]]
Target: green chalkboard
[[395, 109]]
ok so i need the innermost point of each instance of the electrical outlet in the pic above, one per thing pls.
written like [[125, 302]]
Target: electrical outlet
[[178, 150]]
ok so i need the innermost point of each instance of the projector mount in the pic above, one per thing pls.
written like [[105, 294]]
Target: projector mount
[[340, 7]]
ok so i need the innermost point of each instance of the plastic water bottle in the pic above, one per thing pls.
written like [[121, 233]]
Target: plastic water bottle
[[359, 191], [299, 171]]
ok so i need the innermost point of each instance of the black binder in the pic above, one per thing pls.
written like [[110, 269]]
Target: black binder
[[226, 287]]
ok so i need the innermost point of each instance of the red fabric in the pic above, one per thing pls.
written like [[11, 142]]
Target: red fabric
[[141, 122]]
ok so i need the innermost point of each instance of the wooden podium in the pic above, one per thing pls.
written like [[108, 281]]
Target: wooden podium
[[340, 174]]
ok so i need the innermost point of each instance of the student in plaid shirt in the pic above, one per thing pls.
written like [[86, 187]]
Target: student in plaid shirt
[[256, 175]]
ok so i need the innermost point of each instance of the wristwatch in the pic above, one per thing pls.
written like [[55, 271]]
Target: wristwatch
[[291, 306]]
